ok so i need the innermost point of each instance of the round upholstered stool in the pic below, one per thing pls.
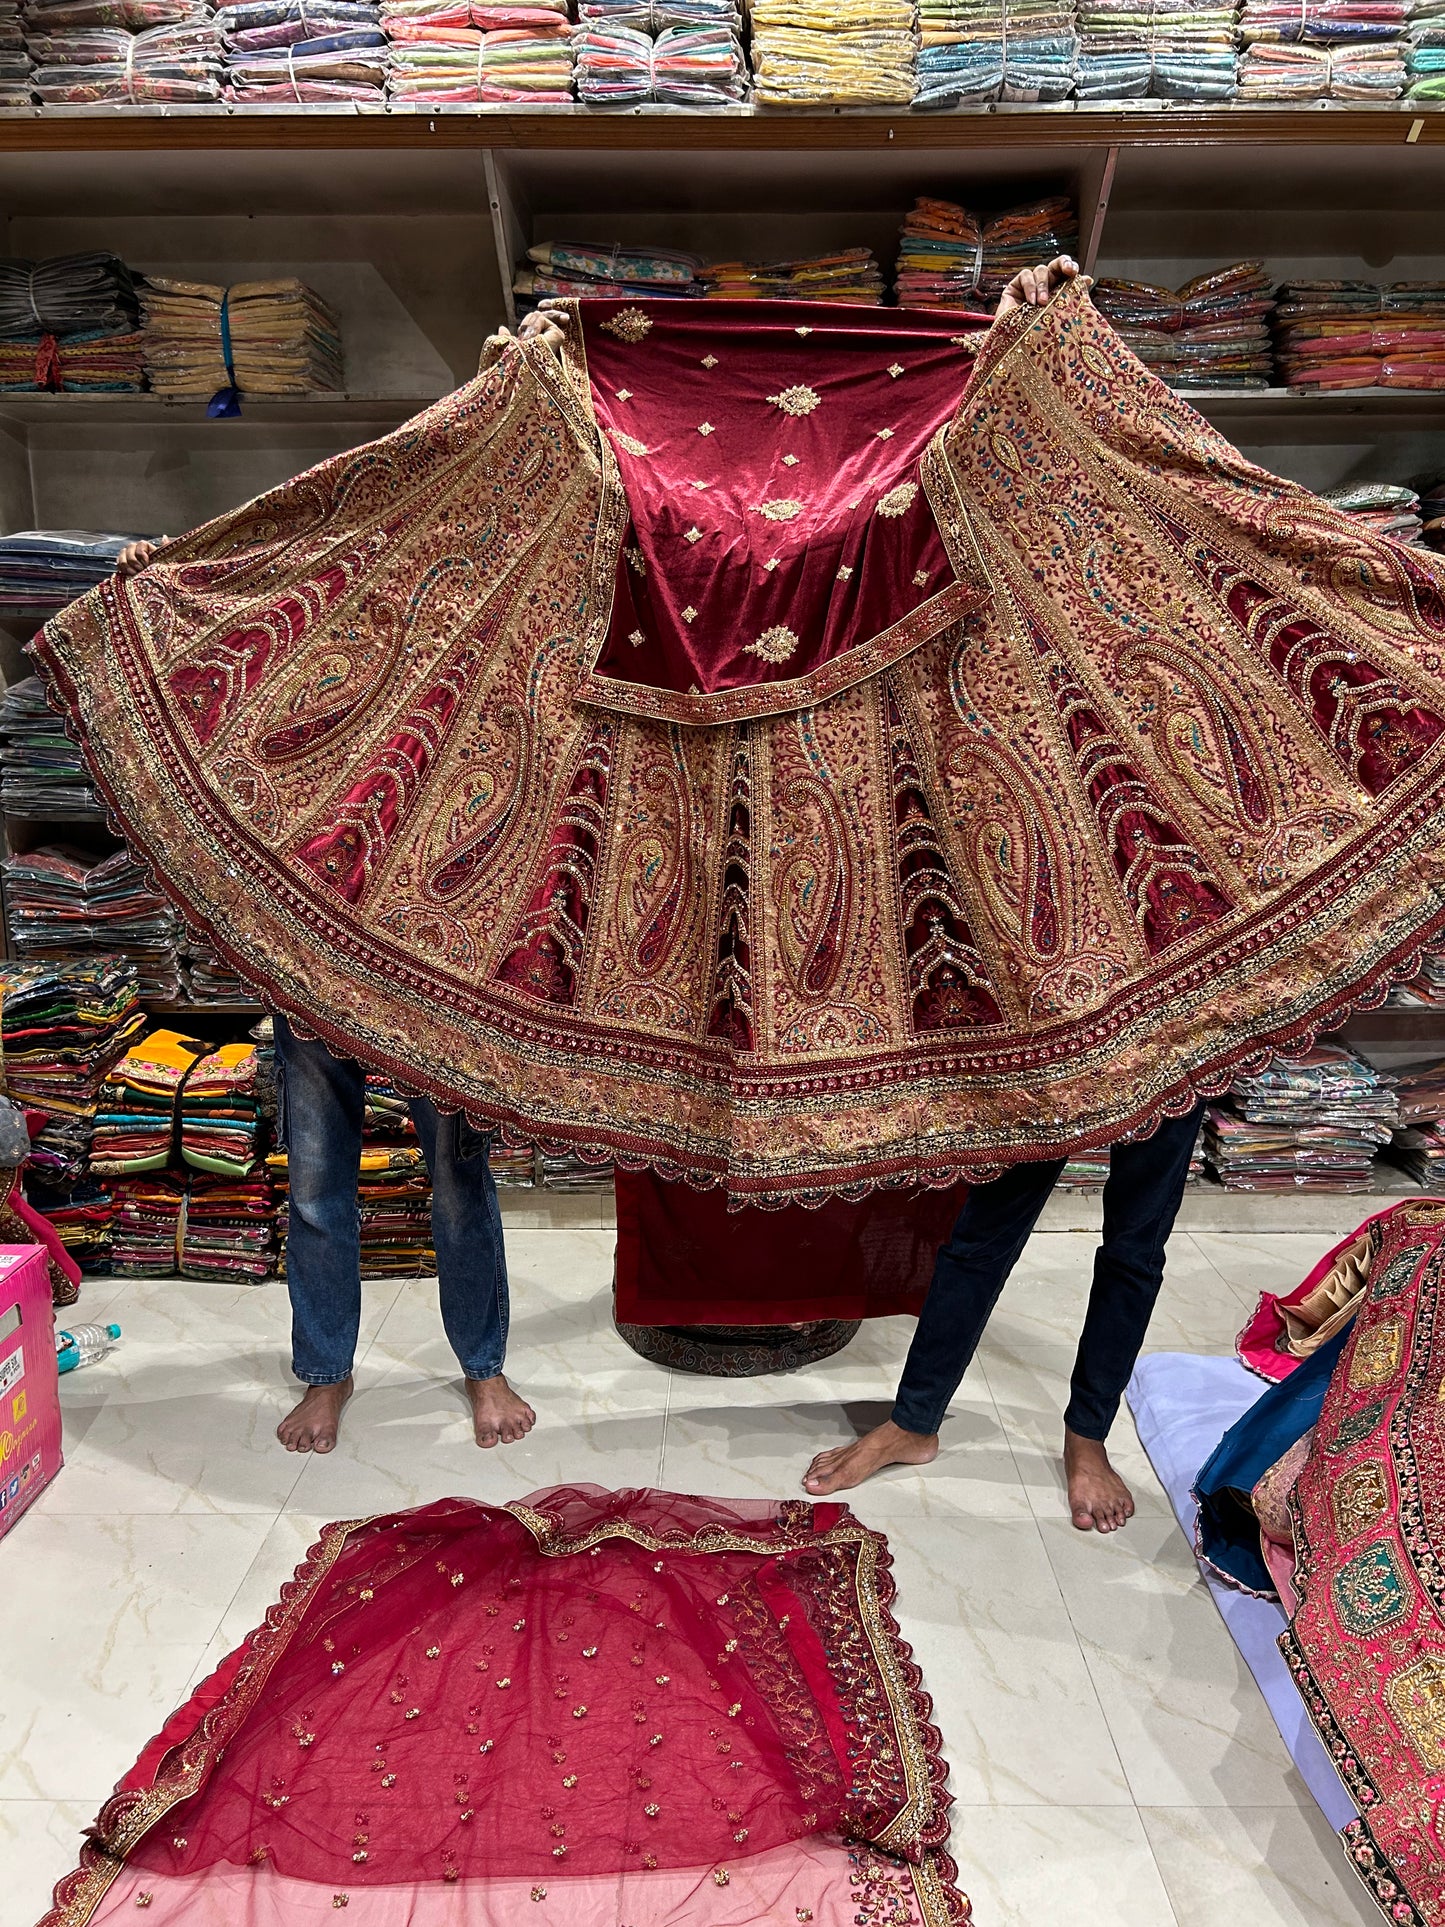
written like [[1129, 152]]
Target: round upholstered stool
[[739, 1351]]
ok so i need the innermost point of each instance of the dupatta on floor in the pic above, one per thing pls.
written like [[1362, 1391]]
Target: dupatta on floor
[[583, 1709], [729, 752]]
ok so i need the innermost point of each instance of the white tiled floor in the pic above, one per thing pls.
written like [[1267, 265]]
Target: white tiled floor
[[1113, 1762]]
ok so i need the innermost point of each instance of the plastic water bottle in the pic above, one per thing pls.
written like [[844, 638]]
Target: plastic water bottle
[[84, 1345]]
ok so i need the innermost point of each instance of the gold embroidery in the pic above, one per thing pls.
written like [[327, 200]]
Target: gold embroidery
[[898, 500], [920, 577], [1359, 1497], [628, 324], [689, 614], [624, 394], [896, 370], [630, 443], [771, 564], [802, 331], [775, 644], [705, 428], [885, 434], [709, 361], [845, 573], [1417, 1699], [798, 400], [637, 638], [790, 461], [699, 484], [780, 511], [637, 561], [1377, 1353], [694, 534]]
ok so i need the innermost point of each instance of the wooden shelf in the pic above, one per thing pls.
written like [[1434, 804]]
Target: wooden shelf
[[159, 410], [1291, 406]]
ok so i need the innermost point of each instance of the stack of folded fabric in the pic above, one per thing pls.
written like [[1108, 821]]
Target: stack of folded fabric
[[855, 53], [583, 268], [1022, 236], [146, 1228], [1323, 49], [1382, 507], [280, 336], [42, 772], [1432, 515], [1418, 1146], [851, 275], [514, 1165], [686, 54], [978, 50], [529, 65], [303, 50], [209, 980], [1161, 50], [135, 1124], [699, 63], [1313, 1122], [565, 1171], [229, 1229], [1211, 333], [69, 323], [435, 51], [43, 569], [59, 901], [124, 52], [15, 62], [1425, 55], [63, 1026], [81, 1216], [1355, 334], [220, 1113], [230, 1221], [940, 257]]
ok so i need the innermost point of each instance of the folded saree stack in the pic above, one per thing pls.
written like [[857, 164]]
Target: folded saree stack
[[60, 901], [229, 1229], [850, 275], [981, 50], [583, 268], [72, 323], [1388, 508], [940, 257], [147, 1225], [1211, 333], [42, 772], [1161, 50], [1355, 334], [1323, 49], [685, 53], [82, 1216], [300, 50], [448, 51], [15, 62], [1020, 236], [531, 65], [393, 1190], [853, 53], [253, 338], [46, 568], [1425, 51], [1308, 1123], [220, 1116], [124, 52], [209, 978], [63, 1026], [1418, 1146], [135, 1123]]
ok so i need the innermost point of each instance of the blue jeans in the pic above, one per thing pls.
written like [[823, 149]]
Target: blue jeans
[[322, 1105], [1141, 1200]]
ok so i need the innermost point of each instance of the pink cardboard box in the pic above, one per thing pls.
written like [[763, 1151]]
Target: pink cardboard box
[[29, 1382]]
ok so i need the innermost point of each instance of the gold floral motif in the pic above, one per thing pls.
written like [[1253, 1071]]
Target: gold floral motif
[[797, 400], [898, 500], [709, 361], [694, 534], [628, 324], [636, 560], [782, 510], [771, 564], [689, 614], [885, 434], [637, 638], [920, 578], [705, 428], [630, 443], [845, 574], [802, 331], [1377, 1353], [775, 644], [896, 369], [624, 394]]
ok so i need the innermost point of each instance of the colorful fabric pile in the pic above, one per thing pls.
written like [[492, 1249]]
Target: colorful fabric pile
[[851, 275], [514, 1166], [565, 1171], [530, 65], [300, 50], [220, 1115], [59, 901], [80, 60], [63, 1025], [940, 257], [69, 323], [978, 50], [229, 1229], [1425, 56], [15, 62], [582, 268], [135, 1124], [42, 772], [1418, 1146], [687, 54], [230, 1218], [1212, 333], [1323, 49], [436, 52], [1385, 507], [1022, 236], [1355, 334], [43, 569], [808, 52], [1163, 50], [1429, 986], [1310, 1123], [210, 980], [81, 1216], [253, 338], [146, 1229]]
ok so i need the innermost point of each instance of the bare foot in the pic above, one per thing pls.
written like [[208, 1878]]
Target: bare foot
[[312, 1425], [498, 1414], [1099, 1500], [886, 1444]]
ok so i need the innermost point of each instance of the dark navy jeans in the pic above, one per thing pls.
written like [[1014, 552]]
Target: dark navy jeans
[[322, 1104], [1141, 1199]]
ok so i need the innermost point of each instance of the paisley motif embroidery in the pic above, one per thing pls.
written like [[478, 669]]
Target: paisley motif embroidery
[[782, 510], [898, 500], [629, 324], [730, 1015], [774, 645], [799, 400]]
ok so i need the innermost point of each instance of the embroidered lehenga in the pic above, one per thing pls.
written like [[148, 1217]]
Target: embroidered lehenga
[[585, 1709], [729, 751]]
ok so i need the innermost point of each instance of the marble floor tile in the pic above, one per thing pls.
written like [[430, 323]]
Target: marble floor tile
[[39, 1843], [1058, 1866], [1277, 1866], [1267, 1261]]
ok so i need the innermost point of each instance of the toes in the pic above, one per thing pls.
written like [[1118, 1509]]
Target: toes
[[1083, 1518]]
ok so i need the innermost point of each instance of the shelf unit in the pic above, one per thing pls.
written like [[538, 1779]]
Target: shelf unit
[[410, 224]]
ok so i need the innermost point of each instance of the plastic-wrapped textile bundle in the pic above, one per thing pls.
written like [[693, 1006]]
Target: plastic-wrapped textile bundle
[[614, 64], [851, 275], [1419, 1150], [1211, 333], [209, 979], [15, 62], [1313, 1122], [565, 1171], [1425, 50], [1387, 508], [46, 568], [619, 63], [146, 1230], [42, 772], [81, 1216], [529, 66], [178, 61], [582, 268], [351, 65], [284, 340], [63, 1026], [84, 364], [982, 50], [1020, 236], [1334, 335], [940, 257], [1162, 50], [433, 62], [1420, 1093], [514, 1166], [1322, 22], [220, 1115], [1279, 71], [256, 26], [811, 52], [69, 322], [60, 902], [135, 1120]]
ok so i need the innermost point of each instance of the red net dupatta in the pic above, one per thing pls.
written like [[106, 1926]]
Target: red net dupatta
[[583, 1708], [1366, 1646]]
